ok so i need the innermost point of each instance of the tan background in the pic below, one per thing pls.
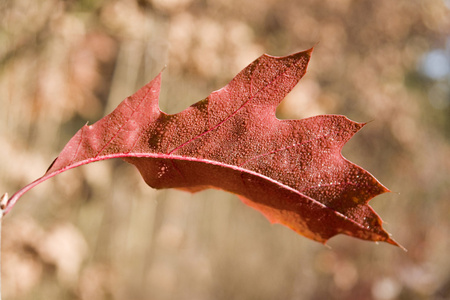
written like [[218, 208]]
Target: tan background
[[98, 232]]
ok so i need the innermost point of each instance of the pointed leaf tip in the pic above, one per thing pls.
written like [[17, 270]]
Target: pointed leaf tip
[[395, 243]]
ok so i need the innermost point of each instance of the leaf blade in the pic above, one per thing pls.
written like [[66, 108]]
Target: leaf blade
[[292, 171]]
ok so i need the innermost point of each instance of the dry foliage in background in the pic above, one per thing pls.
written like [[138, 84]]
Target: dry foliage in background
[[106, 235]]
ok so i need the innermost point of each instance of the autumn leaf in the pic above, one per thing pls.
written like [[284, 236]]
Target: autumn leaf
[[292, 171]]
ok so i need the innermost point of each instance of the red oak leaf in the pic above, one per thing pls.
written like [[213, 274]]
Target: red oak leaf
[[290, 170]]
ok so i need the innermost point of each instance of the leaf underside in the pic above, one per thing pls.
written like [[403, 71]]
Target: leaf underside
[[292, 171]]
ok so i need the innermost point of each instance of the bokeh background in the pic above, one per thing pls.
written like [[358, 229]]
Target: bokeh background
[[98, 232]]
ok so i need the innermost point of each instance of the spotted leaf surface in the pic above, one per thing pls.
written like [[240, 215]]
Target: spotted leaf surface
[[292, 171]]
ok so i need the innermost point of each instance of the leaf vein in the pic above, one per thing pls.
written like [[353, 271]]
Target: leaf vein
[[235, 112], [125, 123]]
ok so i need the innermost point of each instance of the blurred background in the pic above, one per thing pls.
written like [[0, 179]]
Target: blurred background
[[98, 232]]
